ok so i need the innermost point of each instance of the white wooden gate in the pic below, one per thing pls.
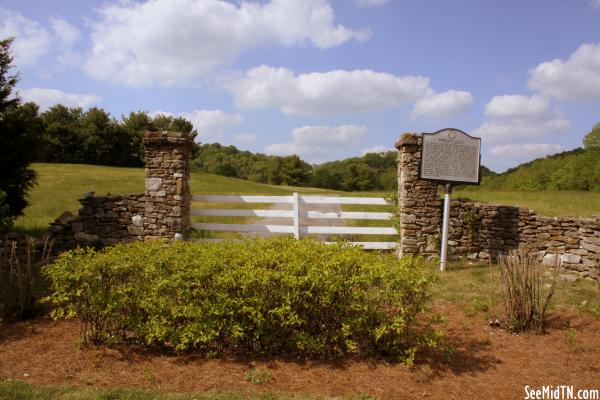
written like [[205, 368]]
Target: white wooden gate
[[300, 216]]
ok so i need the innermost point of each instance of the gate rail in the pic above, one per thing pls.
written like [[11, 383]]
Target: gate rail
[[300, 215]]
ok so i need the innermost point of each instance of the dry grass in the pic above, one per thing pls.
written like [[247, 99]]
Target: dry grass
[[524, 294]]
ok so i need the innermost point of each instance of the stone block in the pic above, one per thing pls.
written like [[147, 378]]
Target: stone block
[[153, 184], [85, 237], [571, 258], [551, 260], [137, 220], [135, 230], [590, 247], [592, 239]]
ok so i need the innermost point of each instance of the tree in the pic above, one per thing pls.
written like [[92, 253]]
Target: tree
[[62, 138], [19, 134], [592, 139]]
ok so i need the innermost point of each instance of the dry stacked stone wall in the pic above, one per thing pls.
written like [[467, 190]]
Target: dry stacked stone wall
[[162, 212], [101, 220], [482, 230]]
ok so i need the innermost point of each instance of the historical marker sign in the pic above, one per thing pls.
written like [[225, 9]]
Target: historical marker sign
[[450, 156]]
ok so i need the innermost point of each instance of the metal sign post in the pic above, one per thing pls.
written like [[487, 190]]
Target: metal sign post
[[444, 246], [449, 156]]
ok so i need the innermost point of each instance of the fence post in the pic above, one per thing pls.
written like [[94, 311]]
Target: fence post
[[296, 213]]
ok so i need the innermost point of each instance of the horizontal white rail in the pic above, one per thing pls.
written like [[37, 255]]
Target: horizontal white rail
[[311, 230], [243, 227], [378, 201], [290, 200], [348, 230], [244, 199], [217, 212], [364, 245], [373, 245], [349, 215], [214, 212]]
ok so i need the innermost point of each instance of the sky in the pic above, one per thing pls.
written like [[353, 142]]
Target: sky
[[324, 79]]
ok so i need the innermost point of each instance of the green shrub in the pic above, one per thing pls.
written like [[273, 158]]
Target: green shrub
[[274, 296]]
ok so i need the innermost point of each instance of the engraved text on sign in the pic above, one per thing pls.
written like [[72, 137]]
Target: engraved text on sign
[[450, 155]]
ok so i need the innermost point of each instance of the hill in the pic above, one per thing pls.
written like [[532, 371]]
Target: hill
[[60, 185], [577, 169]]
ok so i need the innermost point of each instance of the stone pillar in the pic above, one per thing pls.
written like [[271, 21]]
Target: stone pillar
[[419, 204], [167, 212]]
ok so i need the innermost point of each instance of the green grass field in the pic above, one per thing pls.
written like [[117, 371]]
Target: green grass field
[[17, 390], [60, 185], [477, 288], [548, 203]]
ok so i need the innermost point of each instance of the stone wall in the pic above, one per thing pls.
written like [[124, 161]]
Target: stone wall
[[162, 212], [103, 220], [480, 230]]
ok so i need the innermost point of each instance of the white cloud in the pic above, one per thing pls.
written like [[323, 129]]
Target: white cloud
[[64, 31], [314, 143], [330, 92], [46, 98], [31, 39], [516, 106], [244, 138], [169, 42], [442, 105], [525, 152], [377, 149], [520, 118], [577, 78], [373, 3], [209, 123], [596, 3]]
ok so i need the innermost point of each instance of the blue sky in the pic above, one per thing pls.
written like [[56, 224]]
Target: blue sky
[[325, 79]]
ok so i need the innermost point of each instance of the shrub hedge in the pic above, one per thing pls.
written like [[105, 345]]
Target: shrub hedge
[[268, 296]]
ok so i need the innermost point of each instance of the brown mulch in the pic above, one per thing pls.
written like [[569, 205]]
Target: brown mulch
[[486, 363]]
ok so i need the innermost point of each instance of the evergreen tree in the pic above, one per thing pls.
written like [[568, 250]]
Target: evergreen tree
[[19, 134]]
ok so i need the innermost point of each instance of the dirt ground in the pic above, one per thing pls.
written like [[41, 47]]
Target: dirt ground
[[481, 363]]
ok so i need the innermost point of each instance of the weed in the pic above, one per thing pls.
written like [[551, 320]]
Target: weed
[[21, 284], [571, 337], [258, 376], [96, 360], [438, 319], [448, 352], [525, 302]]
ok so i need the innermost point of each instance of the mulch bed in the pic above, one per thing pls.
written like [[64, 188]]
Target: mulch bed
[[485, 363]]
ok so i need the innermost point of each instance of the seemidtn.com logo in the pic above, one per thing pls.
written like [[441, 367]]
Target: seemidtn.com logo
[[560, 392]]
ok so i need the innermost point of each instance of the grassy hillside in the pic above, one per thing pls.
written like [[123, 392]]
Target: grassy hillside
[[577, 169], [60, 185], [550, 203]]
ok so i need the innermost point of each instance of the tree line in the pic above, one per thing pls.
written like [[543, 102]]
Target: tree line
[[577, 169], [71, 135], [373, 171]]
